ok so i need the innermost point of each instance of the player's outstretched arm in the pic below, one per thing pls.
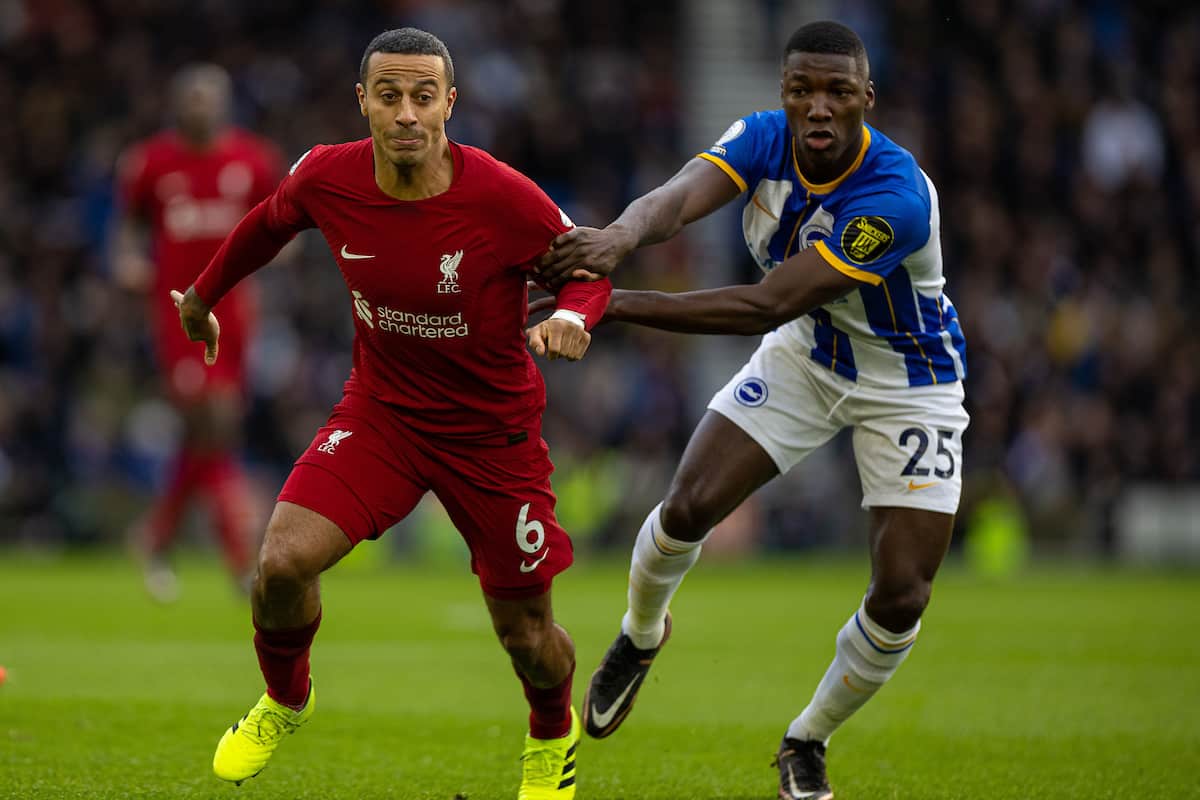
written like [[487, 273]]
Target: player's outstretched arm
[[198, 321], [578, 307], [697, 190], [802, 283]]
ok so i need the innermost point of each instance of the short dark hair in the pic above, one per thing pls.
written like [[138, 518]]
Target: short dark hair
[[829, 37], [409, 42]]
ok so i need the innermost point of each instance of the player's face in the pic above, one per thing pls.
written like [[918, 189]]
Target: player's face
[[407, 102], [201, 109], [825, 97]]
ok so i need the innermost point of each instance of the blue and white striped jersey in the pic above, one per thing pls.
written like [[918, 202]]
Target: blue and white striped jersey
[[878, 223]]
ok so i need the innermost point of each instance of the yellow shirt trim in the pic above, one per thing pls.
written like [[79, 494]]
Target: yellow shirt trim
[[728, 170], [826, 188], [843, 267]]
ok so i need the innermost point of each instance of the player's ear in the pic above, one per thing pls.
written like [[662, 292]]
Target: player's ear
[[870, 95], [362, 98], [451, 96]]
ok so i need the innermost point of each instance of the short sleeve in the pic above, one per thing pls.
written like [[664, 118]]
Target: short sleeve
[[875, 232], [740, 151], [285, 206], [529, 222]]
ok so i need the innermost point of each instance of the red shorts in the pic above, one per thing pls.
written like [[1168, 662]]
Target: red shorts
[[366, 470]]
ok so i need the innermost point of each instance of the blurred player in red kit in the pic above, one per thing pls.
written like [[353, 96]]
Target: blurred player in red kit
[[435, 241], [187, 187]]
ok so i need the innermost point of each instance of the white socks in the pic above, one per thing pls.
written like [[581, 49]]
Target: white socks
[[867, 655], [655, 572]]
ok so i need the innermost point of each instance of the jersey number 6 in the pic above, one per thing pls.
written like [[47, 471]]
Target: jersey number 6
[[525, 528]]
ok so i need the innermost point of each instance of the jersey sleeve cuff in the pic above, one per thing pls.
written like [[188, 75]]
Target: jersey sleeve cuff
[[846, 269], [570, 316], [728, 170]]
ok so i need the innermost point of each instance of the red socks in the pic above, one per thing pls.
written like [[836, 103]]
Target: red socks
[[549, 709], [283, 659]]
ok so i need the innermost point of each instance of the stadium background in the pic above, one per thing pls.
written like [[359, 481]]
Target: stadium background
[[1063, 137], [1065, 140]]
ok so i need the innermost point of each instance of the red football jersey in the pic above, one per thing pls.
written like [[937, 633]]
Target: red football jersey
[[192, 199], [437, 286]]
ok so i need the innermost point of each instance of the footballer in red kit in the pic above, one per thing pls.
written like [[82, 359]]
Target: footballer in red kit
[[184, 190], [435, 241]]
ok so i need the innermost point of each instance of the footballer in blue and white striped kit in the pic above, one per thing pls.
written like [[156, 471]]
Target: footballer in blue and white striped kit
[[878, 223], [857, 333]]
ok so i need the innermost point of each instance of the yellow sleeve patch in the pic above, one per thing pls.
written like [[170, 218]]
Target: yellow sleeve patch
[[867, 238]]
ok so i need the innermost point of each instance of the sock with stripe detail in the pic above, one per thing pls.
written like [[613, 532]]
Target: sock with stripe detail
[[867, 655], [657, 568]]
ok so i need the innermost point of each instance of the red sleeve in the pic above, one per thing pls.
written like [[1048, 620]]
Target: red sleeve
[[528, 220], [256, 240], [589, 299], [133, 181]]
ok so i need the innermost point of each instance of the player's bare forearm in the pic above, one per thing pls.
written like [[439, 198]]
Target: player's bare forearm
[[797, 286], [695, 191], [738, 310], [652, 218]]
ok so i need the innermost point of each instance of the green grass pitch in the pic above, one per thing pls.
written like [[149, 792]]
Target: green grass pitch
[[1063, 683]]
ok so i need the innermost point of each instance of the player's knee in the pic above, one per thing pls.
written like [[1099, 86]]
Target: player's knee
[[282, 568], [898, 606], [683, 515]]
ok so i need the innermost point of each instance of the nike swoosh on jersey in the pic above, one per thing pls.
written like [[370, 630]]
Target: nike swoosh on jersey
[[602, 719], [346, 254], [527, 567], [914, 487]]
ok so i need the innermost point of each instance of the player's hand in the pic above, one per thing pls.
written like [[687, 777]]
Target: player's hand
[[559, 338], [585, 254], [198, 322]]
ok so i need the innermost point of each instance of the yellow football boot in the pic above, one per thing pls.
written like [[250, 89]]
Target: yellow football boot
[[548, 768], [245, 748]]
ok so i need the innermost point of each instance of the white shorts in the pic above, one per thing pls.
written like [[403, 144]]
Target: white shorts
[[907, 442]]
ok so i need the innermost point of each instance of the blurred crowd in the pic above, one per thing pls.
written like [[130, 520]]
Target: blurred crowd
[[1062, 136]]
